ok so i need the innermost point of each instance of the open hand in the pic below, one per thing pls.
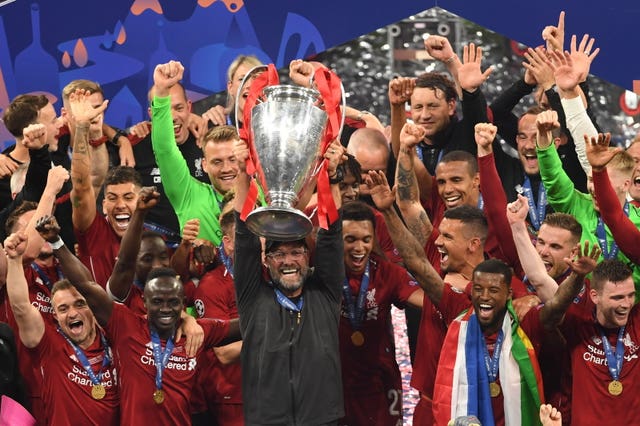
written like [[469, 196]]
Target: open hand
[[598, 151], [382, 196], [585, 260]]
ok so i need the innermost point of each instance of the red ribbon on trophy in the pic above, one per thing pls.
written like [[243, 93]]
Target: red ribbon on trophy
[[329, 86]]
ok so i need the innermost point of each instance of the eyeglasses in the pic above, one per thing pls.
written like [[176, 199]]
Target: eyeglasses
[[279, 256]]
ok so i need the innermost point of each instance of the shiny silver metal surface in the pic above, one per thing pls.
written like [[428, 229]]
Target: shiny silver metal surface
[[287, 130]]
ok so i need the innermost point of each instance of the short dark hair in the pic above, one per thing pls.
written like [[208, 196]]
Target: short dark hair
[[564, 221], [463, 156], [122, 174], [22, 111], [162, 272], [14, 216], [358, 211], [473, 218], [495, 266], [533, 110], [436, 80], [612, 270]]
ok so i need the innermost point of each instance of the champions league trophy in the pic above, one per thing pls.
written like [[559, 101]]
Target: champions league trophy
[[287, 126]]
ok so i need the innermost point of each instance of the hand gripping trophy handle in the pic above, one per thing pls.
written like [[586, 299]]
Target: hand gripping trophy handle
[[285, 131]]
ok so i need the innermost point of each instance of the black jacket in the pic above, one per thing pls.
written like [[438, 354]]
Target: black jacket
[[290, 372]]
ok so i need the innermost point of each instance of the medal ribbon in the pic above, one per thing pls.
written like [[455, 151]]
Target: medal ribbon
[[537, 212], [614, 361], [226, 260], [43, 275], [491, 363], [286, 303], [160, 357], [356, 310], [106, 359], [601, 233]]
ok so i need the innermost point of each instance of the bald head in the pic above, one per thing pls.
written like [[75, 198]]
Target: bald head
[[370, 148]]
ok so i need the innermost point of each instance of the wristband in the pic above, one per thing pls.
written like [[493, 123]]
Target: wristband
[[337, 177], [449, 60], [118, 135], [57, 245]]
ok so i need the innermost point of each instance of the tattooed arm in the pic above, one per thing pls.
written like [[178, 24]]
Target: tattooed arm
[[408, 190]]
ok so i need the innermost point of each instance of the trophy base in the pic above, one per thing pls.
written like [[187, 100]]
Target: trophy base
[[279, 223]]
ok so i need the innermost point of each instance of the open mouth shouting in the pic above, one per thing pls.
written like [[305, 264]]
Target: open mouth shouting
[[76, 327], [444, 255], [177, 129], [484, 312], [530, 160], [357, 262], [122, 221]]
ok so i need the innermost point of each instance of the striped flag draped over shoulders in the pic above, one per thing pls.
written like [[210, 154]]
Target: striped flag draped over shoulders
[[462, 385]]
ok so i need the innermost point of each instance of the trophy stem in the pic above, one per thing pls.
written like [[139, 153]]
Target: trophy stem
[[284, 199]]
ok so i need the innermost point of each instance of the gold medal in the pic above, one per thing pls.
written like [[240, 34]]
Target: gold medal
[[357, 338], [494, 389], [615, 387], [98, 391], [158, 396]]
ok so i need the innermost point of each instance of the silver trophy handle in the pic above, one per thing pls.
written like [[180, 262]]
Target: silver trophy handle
[[344, 109], [254, 70]]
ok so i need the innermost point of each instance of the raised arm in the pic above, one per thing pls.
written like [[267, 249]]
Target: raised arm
[[410, 250], [29, 320], [124, 270], [83, 194], [470, 75], [440, 48], [585, 261], [56, 178], [100, 303], [408, 191], [553, 35], [625, 233], [180, 257], [495, 200], [530, 260], [474, 106], [571, 68], [400, 90], [370, 120]]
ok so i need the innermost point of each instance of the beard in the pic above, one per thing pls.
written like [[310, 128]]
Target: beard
[[288, 285]]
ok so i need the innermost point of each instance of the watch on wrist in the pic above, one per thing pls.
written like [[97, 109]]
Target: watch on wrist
[[119, 133], [338, 177]]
